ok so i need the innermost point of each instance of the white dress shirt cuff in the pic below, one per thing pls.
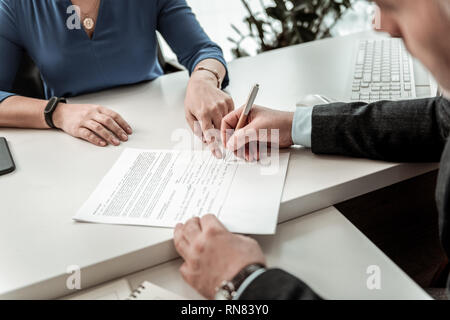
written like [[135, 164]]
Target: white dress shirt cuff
[[247, 282], [302, 126]]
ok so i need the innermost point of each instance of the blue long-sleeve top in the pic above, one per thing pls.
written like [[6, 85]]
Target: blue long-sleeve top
[[123, 49]]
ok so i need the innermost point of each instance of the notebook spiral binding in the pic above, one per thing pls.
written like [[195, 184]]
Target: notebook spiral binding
[[136, 293]]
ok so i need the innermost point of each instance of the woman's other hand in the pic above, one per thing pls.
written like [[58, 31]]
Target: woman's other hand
[[206, 104], [95, 124]]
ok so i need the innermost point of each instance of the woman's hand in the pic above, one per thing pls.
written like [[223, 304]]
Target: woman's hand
[[206, 104], [259, 128], [212, 254], [96, 124]]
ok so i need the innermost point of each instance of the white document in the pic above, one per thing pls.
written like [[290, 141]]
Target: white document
[[161, 188]]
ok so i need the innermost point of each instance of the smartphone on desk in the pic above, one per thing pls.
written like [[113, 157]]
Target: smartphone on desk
[[6, 160]]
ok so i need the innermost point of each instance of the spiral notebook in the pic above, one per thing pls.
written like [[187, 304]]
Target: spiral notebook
[[120, 290], [149, 291]]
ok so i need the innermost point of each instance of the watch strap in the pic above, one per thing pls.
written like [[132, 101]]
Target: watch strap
[[50, 109], [228, 289]]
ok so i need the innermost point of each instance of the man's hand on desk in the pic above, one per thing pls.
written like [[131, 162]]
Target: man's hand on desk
[[212, 254], [260, 124], [95, 124], [206, 105]]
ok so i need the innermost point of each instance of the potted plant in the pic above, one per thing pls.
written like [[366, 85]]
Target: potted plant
[[284, 23]]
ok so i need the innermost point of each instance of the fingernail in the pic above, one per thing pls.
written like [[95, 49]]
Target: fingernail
[[103, 143], [218, 154], [115, 141], [130, 131], [124, 137]]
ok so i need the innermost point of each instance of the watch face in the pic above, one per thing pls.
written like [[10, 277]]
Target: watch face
[[51, 105]]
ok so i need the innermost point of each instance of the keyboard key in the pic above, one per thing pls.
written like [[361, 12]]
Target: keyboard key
[[361, 56], [364, 97], [367, 77]]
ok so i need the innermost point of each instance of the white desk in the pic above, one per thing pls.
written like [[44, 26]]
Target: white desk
[[56, 173], [323, 249]]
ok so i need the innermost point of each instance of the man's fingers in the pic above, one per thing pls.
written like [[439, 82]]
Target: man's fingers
[[184, 272], [112, 125], [242, 137], [252, 151], [102, 132], [210, 221], [91, 137], [192, 229], [181, 244], [117, 118], [229, 123], [231, 120]]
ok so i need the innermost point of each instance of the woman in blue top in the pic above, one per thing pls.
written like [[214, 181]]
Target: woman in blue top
[[83, 46]]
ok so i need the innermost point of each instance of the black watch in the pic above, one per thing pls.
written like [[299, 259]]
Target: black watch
[[50, 109], [228, 289]]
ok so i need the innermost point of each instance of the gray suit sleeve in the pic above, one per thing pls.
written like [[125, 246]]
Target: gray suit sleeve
[[413, 130], [276, 284]]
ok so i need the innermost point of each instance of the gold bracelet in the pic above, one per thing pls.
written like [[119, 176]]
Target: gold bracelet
[[214, 72]]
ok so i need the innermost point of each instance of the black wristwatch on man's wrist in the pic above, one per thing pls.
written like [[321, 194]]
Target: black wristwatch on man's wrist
[[228, 289], [50, 109]]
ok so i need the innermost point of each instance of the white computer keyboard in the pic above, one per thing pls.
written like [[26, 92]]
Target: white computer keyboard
[[383, 71]]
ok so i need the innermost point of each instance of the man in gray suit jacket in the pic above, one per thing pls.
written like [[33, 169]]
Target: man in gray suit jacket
[[415, 130]]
